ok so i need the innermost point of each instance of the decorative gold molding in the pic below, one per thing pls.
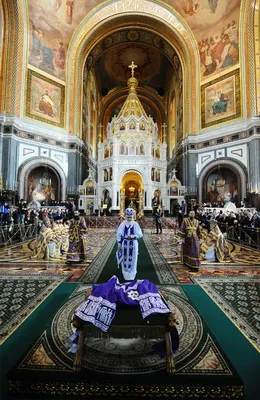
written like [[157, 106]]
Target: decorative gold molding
[[13, 43], [248, 69], [257, 53], [45, 74], [144, 14], [2, 53]]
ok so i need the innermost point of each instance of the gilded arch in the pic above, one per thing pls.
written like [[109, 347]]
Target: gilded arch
[[131, 173], [110, 16]]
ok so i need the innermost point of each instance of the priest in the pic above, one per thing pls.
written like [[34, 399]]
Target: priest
[[128, 234]]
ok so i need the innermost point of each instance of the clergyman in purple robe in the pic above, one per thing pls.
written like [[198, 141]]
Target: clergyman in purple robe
[[77, 229], [190, 233]]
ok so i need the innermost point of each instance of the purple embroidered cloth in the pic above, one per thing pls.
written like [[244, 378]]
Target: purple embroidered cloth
[[100, 306]]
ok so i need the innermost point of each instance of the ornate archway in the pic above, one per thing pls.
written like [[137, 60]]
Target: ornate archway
[[28, 167], [131, 192], [219, 180], [127, 13]]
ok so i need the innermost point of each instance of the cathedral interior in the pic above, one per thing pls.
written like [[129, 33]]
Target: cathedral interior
[[130, 104]]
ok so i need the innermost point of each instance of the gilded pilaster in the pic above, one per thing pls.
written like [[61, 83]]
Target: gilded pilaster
[[250, 59], [257, 53], [13, 47]]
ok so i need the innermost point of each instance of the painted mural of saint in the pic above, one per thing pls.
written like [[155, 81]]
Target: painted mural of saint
[[47, 57], [43, 192], [46, 104], [174, 188], [56, 4], [122, 149], [60, 56], [132, 149], [90, 188], [142, 151], [220, 104], [210, 63], [213, 5], [36, 42]]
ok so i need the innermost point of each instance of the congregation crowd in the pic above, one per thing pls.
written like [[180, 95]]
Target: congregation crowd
[[61, 229], [242, 217], [26, 214]]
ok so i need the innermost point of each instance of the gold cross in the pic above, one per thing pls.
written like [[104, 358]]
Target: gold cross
[[164, 126], [132, 66]]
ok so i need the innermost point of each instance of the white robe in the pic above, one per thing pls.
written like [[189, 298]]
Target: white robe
[[129, 248]]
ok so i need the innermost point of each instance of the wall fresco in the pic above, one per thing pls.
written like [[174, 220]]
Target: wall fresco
[[221, 100], [214, 24], [43, 186], [51, 26], [45, 99], [222, 187]]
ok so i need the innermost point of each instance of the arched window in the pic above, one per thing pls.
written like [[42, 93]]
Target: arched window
[[132, 151], [152, 149], [106, 151], [142, 149], [158, 152], [122, 149], [111, 149]]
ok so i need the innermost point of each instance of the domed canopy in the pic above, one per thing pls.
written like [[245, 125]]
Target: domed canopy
[[132, 106]]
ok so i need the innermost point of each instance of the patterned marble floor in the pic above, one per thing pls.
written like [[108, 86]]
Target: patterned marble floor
[[170, 246], [246, 260], [18, 258]]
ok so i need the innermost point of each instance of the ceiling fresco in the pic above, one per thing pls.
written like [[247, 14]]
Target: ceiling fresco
[[148, 59], [152, 66], [214, 24]]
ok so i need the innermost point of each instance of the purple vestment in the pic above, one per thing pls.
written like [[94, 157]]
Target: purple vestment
[[190, 233], [76, 251], [129, 247], [100, 306]]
